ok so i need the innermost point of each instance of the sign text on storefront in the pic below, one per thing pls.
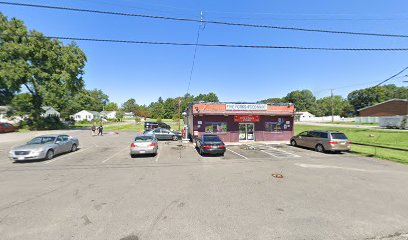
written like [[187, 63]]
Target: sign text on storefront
[[246, 107], [246, 118]]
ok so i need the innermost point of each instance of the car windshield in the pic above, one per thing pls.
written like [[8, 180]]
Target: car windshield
[[338, 136], [143, 139], [41, 140], [212, 139]]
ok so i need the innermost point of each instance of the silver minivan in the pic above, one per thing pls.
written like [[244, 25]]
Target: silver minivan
[[322, 141]]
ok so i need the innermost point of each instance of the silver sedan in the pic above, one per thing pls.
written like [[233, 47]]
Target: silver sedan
[[44, 147]]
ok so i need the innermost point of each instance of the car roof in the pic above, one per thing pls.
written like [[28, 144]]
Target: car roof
[[145, 135], [52, 135], [325, 131]]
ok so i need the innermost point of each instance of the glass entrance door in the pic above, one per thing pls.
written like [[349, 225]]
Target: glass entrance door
[[246, 132]]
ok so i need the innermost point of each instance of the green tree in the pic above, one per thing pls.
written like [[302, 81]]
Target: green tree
[[274, 100], [22, 104], [120, 114], [93, 100], [130, 106], [209, 97], [111, 107], [46, 68], [341, 107], [304, 100]]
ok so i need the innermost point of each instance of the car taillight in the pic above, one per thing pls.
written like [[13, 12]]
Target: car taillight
[[348, 142], [133, 145], [206, 147], [152, 144], [333, 142], [221, 146]]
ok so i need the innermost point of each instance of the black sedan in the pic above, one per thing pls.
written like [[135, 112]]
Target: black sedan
[[210, 144]]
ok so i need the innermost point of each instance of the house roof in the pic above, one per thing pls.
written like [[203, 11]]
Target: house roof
[[391, 100], [92, 112]]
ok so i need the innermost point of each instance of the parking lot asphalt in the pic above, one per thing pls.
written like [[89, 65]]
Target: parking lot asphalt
[[255, 191]]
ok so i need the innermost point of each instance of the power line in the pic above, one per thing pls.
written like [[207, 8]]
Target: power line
[[205, 21], [195, 53], [393, 76], [215, 45]]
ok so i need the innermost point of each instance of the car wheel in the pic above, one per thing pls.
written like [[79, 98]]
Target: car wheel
[[132, 155], [200, 151], [319, 148], [50, 154], [293, 143], [175, 138], [74, 147]]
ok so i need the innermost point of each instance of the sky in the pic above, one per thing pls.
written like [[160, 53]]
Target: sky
[[146, 72]]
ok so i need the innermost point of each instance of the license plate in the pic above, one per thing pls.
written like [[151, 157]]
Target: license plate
[[142, 151], [20, 158], [342, 143], [214, 146]]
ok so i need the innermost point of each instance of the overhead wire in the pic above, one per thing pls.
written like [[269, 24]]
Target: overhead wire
[[214, 45], [204, 21]]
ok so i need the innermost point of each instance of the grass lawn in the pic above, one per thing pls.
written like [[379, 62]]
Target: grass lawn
[[352, 123], [380, 137]]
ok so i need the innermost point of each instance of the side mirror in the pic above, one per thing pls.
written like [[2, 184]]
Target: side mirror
[[58, 142]]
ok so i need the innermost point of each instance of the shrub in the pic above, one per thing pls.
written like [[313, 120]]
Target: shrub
[[48, 123]]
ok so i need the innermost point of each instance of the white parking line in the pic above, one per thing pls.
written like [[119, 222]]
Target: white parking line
[[109, 158], [236, 153], [69, 154], [157, 156]]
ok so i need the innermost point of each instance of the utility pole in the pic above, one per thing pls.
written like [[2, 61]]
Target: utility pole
[[332, 107], [179, 103]]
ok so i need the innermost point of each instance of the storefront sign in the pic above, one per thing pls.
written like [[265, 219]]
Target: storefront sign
[[249, 118], [246, 107]]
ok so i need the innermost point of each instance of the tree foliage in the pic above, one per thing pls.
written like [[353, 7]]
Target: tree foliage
[[370, 96], [46, 68], [111, 107]]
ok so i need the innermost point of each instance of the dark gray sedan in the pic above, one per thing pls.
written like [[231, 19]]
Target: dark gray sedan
[[165, 134], [44, 147]]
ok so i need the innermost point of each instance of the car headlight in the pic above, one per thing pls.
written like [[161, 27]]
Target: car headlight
[[37, 151]]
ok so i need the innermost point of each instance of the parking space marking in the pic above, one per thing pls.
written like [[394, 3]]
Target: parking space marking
[[69, 154], [272, 151], [236, 153], [157, 156], [109, 158]]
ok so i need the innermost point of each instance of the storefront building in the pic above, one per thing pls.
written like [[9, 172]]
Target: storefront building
[[241, 122]]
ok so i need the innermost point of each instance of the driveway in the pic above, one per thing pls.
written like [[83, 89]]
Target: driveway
[[253, 192]]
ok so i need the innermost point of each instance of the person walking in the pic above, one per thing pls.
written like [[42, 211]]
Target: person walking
[[100, 130], [93, 129]]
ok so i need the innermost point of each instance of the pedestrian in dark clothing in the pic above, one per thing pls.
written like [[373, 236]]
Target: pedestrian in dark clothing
[[100, 129]]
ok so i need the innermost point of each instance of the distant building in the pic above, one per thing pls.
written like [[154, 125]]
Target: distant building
[[302, 116], [129, 115], [49, 112], [108, 114], [393, 107], [85, 115]]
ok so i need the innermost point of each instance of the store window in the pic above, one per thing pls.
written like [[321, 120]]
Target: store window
[[216, 127], [278, 126]]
